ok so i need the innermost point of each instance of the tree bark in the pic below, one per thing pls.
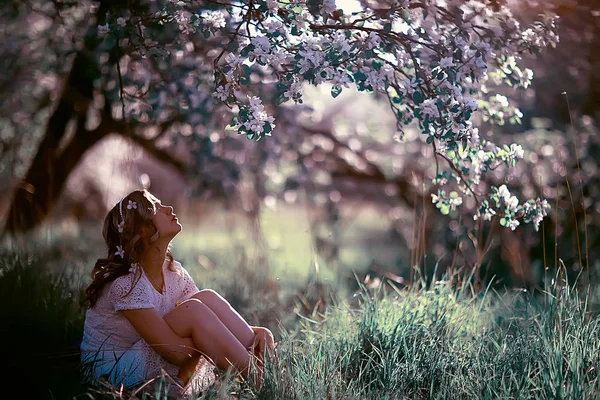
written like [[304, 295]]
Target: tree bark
[[36, 194]]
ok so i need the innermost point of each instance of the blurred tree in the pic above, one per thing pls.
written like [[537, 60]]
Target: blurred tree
[[571, 66], [150, 71]]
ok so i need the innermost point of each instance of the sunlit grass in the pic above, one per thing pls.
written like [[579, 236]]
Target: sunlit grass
[[442, 342]]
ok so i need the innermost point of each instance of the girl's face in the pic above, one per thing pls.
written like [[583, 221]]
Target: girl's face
[[165, 221]]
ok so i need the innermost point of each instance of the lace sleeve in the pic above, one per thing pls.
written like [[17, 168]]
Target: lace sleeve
[[123, 299], [187, 286]]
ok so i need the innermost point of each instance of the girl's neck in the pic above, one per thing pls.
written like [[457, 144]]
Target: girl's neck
[[154, 259]]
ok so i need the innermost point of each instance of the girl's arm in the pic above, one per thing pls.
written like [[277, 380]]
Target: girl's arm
[[159, 335]]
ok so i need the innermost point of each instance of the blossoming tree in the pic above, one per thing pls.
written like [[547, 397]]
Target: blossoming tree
[[149, 65]]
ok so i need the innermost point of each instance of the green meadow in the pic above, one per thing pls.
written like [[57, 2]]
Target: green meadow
[[338, 338]]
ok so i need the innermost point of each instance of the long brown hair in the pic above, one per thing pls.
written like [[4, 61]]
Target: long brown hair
[[122, 230]]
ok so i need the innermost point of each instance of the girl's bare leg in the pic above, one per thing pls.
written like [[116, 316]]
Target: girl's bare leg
[[228, 316], [188, 369], [194, 319]]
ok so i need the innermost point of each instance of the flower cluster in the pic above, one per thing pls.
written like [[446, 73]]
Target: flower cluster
[[446, 203], [432, 60], [253, 120]]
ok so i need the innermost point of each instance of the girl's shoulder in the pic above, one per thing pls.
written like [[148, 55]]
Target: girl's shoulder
[[127, 283], [177, 268], [131, 291]]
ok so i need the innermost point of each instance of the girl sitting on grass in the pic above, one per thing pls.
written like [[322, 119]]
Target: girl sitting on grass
[[146, 314]]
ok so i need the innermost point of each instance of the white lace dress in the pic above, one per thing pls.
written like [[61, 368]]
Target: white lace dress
[[110, 343]]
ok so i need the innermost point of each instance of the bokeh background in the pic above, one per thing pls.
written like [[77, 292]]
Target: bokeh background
[[333, 198]]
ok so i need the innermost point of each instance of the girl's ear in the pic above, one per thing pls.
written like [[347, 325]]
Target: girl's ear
[[145, 233]]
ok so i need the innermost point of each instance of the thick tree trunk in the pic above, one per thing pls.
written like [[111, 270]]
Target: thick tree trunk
[[35, 196]]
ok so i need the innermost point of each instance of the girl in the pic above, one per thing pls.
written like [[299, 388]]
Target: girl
[[146, 314]]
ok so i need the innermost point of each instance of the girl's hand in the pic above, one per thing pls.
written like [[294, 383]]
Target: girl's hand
[[263, 341]]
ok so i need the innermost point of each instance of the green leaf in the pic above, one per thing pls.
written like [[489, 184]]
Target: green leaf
[[451, 75], [429, 139], [396, 100], [246, 69], [246, 50], [243, 114], [206, 34], [387, 28], [359, 76], [244, 80], [280, 100], [267, 127], [335, 91], [417, 97], [453, 195], [249, 136], [444, 209]]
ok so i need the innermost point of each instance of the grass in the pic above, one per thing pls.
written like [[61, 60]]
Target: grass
[[445, 341]]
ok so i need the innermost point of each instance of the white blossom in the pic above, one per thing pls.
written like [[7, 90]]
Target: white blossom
[[328, 6], [221, 93], [429, 107], [487, 214], [258, 116], [274, 26], [294, 91], [214, 19], [470, 103], [516, 151], [103, 29], [233, 59], [446, 62], [454, 202], [373, 40], [512, 224], [182, 17]]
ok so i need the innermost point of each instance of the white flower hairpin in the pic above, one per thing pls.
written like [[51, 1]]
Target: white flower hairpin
[[134, 267], [131, 204], [120, 226], [120, 252]]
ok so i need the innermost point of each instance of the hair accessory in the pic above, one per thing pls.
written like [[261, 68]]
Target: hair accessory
[[106, 275], [120, 252], [132, 204], [120, 226], [134, 267], [121, 208]]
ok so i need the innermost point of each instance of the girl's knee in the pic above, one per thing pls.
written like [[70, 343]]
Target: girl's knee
[[198, 310], [190, 303], [207, 295]]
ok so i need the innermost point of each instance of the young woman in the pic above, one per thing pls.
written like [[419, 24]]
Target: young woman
[[146, 314]]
